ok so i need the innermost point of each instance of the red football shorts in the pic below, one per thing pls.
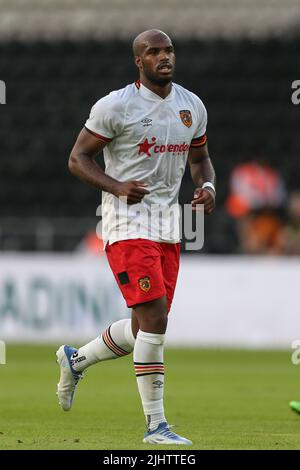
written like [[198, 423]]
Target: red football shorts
[[144, 270]]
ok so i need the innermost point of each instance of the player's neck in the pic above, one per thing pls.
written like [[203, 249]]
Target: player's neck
[[161, 90]]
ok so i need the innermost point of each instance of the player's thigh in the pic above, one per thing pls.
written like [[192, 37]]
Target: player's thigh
[[152, 316], [134, 323], [170, 269], [137, 267]]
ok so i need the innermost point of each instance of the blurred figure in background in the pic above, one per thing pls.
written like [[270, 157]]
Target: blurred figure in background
[[290, 236], [257, 195], [91, 244]]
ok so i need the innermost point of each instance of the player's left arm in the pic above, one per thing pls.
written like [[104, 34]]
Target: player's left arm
[[202, 171]]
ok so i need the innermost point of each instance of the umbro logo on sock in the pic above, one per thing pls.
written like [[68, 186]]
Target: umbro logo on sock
[[157, 384]]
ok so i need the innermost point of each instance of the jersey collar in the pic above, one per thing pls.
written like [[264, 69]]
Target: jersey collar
[[148, 94]]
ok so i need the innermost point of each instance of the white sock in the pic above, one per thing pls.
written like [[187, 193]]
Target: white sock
[[149, 369], [116, 341]]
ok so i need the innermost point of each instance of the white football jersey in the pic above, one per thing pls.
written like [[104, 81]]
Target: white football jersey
[[148, 139]]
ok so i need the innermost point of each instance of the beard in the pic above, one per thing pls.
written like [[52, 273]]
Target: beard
[[156, 79]]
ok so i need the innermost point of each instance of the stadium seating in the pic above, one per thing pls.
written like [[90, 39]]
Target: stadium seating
[[246, 86], [108, 19]]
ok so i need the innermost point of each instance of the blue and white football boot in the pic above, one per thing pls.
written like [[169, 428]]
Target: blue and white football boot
[[69, 378], [163, 435]]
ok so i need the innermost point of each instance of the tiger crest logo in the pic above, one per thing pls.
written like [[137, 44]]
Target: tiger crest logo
[[145, 284], [186, 117]]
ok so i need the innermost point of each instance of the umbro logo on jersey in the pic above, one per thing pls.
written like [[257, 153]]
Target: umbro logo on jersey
[[145, 147], [146, 122]]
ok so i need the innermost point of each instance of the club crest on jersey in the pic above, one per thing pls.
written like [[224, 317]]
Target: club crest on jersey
[[186, 117], [145, 284]]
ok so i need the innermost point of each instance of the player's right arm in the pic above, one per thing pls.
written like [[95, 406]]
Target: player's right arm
[[82, 163]]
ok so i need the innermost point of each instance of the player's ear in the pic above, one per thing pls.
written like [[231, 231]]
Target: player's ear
[[138, 61]]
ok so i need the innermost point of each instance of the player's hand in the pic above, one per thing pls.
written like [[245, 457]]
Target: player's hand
[[134, 191], [206, 197]]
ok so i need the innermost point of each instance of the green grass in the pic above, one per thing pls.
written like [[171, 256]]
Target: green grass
[[219, 399]]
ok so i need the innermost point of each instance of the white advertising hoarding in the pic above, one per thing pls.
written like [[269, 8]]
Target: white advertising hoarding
[[56, 297], [219, 301]]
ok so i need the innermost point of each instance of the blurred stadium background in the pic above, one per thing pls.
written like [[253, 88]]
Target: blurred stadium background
[[241, 57]]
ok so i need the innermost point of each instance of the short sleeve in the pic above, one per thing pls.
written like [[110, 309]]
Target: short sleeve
[[200, 137], [106, 118]]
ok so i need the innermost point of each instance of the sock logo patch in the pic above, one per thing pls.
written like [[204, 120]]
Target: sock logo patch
[[157, 384], [145, 284], [77, 359], [145, 368], [148, 422]]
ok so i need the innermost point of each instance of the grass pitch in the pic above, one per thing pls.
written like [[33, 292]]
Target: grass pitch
[[219, 399]]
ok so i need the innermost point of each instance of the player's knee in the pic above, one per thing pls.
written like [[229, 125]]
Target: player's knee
[[153, 316], [164, 322], [158, 323]]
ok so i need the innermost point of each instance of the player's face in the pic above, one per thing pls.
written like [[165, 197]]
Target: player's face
[[157, 61]]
